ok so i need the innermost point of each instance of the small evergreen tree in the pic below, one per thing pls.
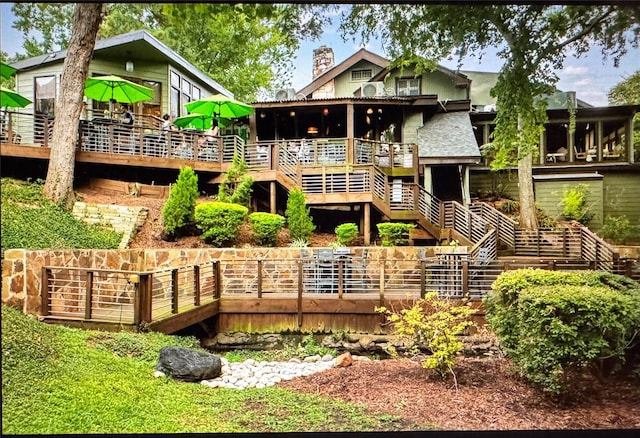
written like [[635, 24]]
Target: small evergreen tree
[[235, 188], [179, 210], [299, 220]]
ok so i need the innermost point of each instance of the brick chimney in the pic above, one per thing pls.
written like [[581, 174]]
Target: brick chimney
[[322, 60]]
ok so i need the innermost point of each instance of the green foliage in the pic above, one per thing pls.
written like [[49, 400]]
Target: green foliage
[[219, 221], [550, 322], [299, 243], [509, 206], [434, 323], [30, 221], [247, 47], [574, 202], [394, 233], [299, 220], [266, 227], [57, 380], [179, 209], [235, 188], [309, 347], [346, 233], [435, 32], [619, 230]]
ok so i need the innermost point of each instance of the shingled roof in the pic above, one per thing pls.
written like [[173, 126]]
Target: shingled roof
[[448, 137]]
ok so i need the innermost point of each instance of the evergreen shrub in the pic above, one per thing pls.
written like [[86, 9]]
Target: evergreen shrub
[[394, 233], [298, 216], [179, 210], [346, 233], [551, 323], [219, 221], [265, 227]]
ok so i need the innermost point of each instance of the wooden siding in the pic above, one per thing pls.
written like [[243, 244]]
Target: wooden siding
[[435, 82], [412, 122], [485, 181], [549, 196], [25, 82], [622, 195], [345, 87]]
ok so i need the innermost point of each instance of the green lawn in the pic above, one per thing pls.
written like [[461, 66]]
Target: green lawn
[[58, 380]]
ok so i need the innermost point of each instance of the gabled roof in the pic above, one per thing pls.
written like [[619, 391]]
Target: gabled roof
[[332, 73], [448, 136], [112, 47]]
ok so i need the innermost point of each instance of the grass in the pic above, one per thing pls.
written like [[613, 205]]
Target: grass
[[59, 380], [30, 221]]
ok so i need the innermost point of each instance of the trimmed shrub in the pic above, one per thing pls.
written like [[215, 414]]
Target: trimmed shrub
[[346, 233], [551, 323], [394, 233], [219, 221], [265, 227], [299, 220], [179, 210]]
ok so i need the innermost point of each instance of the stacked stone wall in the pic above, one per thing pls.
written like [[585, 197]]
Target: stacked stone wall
[[122, 219], [22, 269]]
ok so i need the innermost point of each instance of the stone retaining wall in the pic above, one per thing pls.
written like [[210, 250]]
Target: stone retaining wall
[[22, 269], [123, 219]]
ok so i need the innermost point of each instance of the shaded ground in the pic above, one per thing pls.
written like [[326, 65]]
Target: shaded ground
[[489, 396]]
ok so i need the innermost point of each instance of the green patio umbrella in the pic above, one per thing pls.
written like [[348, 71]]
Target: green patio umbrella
[[105, 88], [219, 105], [11, 99], [6, 71], [200, 121]]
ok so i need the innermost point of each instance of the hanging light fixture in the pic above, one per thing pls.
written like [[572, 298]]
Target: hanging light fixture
[[292, 113], [312, 130], [325, 112], [129, 66]]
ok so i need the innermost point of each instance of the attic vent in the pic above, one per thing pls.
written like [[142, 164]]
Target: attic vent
[[372, 89], [285, 94]]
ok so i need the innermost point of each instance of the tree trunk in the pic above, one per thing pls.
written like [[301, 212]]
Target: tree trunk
[[59, 184], [528, 217]]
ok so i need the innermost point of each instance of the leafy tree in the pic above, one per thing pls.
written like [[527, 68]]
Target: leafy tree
[[84, 28], [627, 92], [245, 47], [533, 41], [235, 188], [179, 210], [299, 220]]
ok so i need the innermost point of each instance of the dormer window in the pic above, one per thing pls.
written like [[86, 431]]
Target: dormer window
[[361, 75], [408, 87]]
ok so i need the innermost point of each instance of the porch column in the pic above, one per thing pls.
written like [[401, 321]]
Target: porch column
[[272, 197], [466, 193], [628, 135], [599, 140], [428, 182], [367, 223], [543, 147], [252, 128], [571, 142], [350, 123]]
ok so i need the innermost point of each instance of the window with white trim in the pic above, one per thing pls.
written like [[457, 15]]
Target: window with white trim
[[361, 75], [408, 87]]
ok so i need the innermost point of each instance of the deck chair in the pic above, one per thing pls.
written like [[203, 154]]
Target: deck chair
[[580, 155]]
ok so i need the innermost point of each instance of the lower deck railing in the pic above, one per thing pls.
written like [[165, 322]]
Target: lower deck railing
[[134, 298]]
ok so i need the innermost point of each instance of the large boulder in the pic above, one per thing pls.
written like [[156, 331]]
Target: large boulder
[[188, 365]]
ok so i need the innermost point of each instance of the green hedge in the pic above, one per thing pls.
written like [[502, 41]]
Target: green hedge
[[219, 221], [265, 227], [346, 233], [551, 322], [394, 233]]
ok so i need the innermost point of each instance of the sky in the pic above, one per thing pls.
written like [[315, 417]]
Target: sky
[[589, 76]]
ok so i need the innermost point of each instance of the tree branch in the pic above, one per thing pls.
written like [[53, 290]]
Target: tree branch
[[585, 31]]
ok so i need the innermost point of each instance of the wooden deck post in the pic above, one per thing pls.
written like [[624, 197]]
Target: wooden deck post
[[142, 299], [423, 278], [44, 292], [367, 223], [174, 291], [88, 293], [465, 278], [300, 285], [217, 290], [272, 197], [259, 278], [196, 285]]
